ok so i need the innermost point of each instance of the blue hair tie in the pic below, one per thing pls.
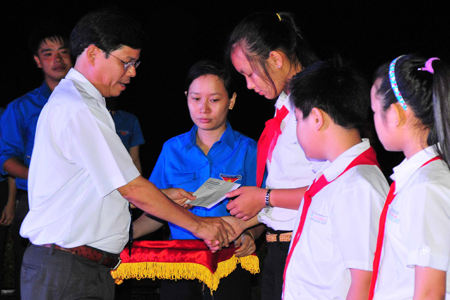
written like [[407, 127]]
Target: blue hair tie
[[394, 85]]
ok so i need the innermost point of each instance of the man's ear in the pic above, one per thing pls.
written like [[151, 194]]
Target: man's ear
[[232, 101], [318, 118], [38, 61], [92, 53]]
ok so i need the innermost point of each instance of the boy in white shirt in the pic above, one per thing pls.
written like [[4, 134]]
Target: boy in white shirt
[[331, 254]]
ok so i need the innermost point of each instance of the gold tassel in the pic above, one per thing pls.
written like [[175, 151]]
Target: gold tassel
[[176, 271]]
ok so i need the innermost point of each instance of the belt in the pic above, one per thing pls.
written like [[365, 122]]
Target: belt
[[278, 237], [105, 259]]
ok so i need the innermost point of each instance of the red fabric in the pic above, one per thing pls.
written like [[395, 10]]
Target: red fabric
[[177, 251], [380, 239], [267, 142], [368, 157]]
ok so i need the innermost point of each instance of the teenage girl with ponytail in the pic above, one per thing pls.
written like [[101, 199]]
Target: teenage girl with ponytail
[[411, 105], [268, 50]]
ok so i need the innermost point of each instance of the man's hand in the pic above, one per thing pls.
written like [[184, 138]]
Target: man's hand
[[245, 244], [179, 196], [249, 202], [238, 225], [7, 215], [215, 232]]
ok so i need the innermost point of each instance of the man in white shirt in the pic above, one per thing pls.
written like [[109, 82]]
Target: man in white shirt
[[81, 175]]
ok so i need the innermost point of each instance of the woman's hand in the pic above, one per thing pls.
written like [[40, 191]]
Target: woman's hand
[[245, 244]]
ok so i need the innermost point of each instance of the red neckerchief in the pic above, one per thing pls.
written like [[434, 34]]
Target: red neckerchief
[[267, 142], [376, 260], [368, 157]]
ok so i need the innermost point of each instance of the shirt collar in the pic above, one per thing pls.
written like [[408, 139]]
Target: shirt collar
[[45, 91], [408, 167], [228, 137], [76, 76], [284, 100], [331, 170]]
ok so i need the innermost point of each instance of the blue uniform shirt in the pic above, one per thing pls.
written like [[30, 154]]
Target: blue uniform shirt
[[183, 164], [18, 127], [2, 110], [128, 129]]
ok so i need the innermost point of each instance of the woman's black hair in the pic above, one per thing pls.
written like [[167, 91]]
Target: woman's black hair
[[426, 94], [208, 67], [260, 33]]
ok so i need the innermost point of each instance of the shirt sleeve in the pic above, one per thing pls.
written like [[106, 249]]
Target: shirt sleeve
[[11, 141], [158, 176], [429, 232], [250, 165], [136, 138], [355, 218], [99, 150]]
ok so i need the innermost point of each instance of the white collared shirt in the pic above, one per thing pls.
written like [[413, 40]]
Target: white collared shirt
[[340, 230], [417, 226], [78, 164], [288, 169]]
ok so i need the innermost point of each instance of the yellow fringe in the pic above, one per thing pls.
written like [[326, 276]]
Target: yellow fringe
[[175, 271]]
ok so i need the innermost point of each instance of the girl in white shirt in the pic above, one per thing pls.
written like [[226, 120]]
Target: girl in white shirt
[[411, 104], [268, 50]]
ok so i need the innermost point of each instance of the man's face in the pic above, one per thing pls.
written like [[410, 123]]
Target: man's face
[[112, 76], [54, 59]]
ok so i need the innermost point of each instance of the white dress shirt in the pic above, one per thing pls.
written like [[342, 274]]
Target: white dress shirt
[[78, 164], [340, 230], [288, 169], [417, 231]]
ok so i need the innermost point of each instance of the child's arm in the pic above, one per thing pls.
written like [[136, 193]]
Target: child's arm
[[246, 242], [429, 283], [359, 288], [145, 225], [250, 200]]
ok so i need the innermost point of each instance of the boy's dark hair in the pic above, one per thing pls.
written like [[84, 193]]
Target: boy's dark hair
[[207, 67], [337, 89], [108, 29], [51, 31]]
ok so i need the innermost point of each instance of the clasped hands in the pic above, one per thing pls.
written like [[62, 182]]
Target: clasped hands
[[216, 232]]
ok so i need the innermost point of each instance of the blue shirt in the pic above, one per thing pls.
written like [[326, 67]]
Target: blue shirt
[[128, 129], [18, 127], [183, 164], [2, 110]]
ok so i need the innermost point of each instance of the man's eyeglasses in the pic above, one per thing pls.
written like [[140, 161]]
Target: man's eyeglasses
[[127, 65]]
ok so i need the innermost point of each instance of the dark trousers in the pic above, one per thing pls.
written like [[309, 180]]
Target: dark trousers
[[3, 229], [236, 286], [49, 274], [20, 244], [272, 275]]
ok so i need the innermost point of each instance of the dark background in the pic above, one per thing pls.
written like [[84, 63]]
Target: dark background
[[367, 33]]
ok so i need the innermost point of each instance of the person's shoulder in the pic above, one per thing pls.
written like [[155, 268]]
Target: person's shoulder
[[365, 177], [436, 174], [125, 114], [243, 139], [178, 140], [24, 99]]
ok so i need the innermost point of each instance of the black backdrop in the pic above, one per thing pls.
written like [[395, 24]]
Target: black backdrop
[[367, 33]]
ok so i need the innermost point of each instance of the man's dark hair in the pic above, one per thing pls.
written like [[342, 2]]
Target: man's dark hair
[[51, 31], [337, 89], [108, 29]]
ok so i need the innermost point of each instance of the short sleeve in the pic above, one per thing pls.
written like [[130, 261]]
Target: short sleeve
[[136, 138], [355, 220], [429, 235], [99, 150]]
